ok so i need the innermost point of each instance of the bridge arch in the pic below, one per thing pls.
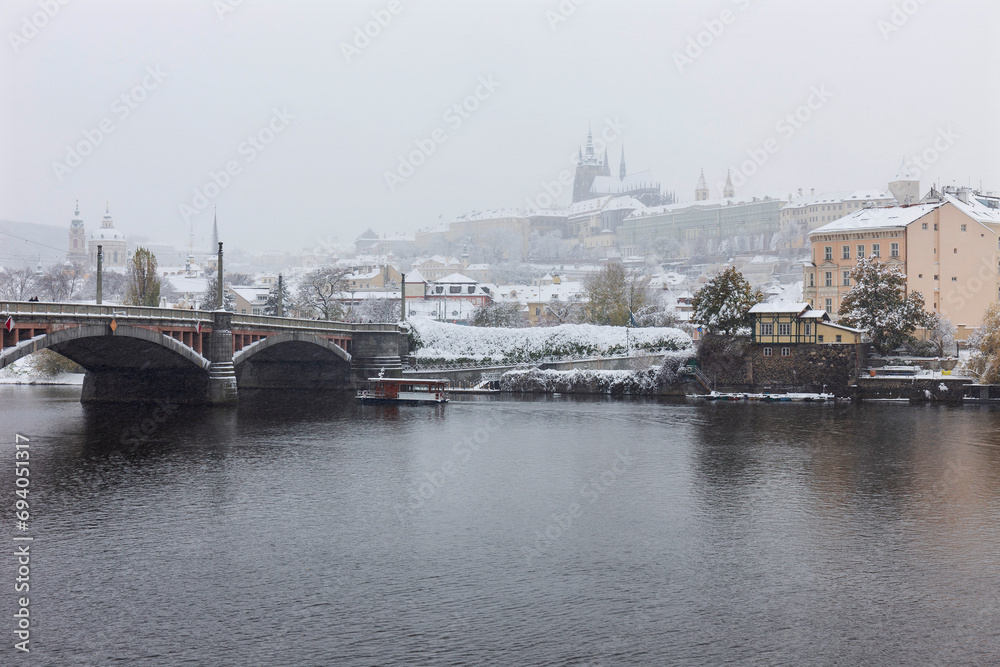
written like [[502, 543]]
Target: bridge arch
[[264, 344], [293, 360], [96, 346]]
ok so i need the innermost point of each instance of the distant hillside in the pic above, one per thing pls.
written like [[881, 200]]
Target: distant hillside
[[16, 252]]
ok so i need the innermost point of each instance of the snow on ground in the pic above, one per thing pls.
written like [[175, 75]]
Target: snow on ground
[[22, 372], [439, 340]]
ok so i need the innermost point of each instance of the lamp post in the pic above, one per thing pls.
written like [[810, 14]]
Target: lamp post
[[221, 302], [100, 273]]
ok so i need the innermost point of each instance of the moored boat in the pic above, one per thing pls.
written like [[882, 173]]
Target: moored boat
[[404, 390]]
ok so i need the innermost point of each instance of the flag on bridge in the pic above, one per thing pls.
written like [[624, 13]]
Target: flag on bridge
[[9, 324]]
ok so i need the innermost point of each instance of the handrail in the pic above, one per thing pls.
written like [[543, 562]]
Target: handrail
[[192, 316]]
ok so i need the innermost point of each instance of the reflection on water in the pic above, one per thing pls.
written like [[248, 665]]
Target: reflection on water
[[306, 529]]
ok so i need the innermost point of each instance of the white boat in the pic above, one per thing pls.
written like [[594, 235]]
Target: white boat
[[404, 390]]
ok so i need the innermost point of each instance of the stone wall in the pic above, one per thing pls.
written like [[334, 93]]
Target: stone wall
[[741, 365]]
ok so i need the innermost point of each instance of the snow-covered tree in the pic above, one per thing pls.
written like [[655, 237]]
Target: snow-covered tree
[[271, 305], [499, 314], [319, 290], [879, 305], [375, 310], [210, 299], [940, 332], [559, 312], [985, 346], [723, 305], [17, 284]]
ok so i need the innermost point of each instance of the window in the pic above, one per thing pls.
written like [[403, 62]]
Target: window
[[936, 278], [861, 251], [963, 228], [821, 338], [839, 338], [876, 250], [766, 329], [538, 310], [257, 311], [846, 252], [472, 289], [454, 289], [954, 279], [893, 250], [829, 279], [935, 226], [923, 226], [439, 289], [786, 351], [956, 251], [847, 278], [812, 283], [785, 329], [920, 275], [829, 305], [807, 328], [829, 252], [767, 352]]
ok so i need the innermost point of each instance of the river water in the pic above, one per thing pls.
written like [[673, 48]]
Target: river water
[[302, 530]]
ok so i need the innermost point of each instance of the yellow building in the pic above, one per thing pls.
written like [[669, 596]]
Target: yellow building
[[948, 248], [795, 323]]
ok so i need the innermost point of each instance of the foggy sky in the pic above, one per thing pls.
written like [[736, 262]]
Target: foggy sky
[[339, 123]]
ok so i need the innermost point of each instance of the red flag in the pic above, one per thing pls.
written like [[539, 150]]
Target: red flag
[[9, 324]]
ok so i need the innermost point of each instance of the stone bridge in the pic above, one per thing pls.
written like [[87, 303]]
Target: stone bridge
[[134, 354]]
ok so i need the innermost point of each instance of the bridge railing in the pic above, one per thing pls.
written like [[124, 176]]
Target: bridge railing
[[104, 310], [189, 317]]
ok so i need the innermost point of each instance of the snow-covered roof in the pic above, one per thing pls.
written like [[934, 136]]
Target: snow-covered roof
[[877, 218], [414, 277], [780, 308], [589, 205], [604, 185], [624, 203], [705, 204], [839, 198], [815, 315], [976, 208], [492, 214], [904, 173], [250, 293], [456, 278]]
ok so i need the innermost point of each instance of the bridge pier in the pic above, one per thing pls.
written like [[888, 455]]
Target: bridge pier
[[221, 388], [373, 354]]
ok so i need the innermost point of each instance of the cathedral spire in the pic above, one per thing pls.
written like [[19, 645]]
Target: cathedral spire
[[701, 191], [729, 192], [215, 229], [621, 169], [77, 212]]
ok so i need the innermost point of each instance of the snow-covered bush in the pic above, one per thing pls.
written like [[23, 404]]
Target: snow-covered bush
[[596, 382], [441, 341]]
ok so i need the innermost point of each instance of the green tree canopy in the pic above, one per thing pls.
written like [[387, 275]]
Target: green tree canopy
[[143, 287], [723, 305], [879, 305], [612, 291]]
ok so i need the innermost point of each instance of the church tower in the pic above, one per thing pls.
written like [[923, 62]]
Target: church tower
[[621, 169], [906, 187], [111, 240], [588, 167], [729, 192], [77, 248], [701, 191]]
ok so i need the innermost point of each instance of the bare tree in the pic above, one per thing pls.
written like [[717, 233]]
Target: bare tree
[[319, 291], [558, 312], [60, 282], [17, 284], [375, 310]]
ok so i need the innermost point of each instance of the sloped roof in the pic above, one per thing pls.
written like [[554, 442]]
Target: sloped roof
[[456, 278], [793, 308], [877, 218]]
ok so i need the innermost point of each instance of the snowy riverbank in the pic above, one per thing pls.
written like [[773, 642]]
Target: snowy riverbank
[[23, 371], [456, 343]]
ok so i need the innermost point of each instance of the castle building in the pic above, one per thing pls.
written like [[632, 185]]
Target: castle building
[[594, 180], [111, 240], [77, 245]]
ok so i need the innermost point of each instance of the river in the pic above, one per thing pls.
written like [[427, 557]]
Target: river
[[309, 530]]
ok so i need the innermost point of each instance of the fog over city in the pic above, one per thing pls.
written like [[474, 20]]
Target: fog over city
[[307, 122]]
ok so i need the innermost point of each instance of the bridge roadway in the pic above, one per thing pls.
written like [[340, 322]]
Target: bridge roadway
[[134, 354]]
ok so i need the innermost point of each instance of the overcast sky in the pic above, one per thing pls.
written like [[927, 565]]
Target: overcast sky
[[199, 77]]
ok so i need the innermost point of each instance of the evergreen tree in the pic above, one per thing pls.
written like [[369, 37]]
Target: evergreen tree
[[271, 306], [723, 305], [879, 305], [143, 287]]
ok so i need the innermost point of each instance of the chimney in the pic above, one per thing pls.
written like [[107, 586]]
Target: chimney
[[800, 192]]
